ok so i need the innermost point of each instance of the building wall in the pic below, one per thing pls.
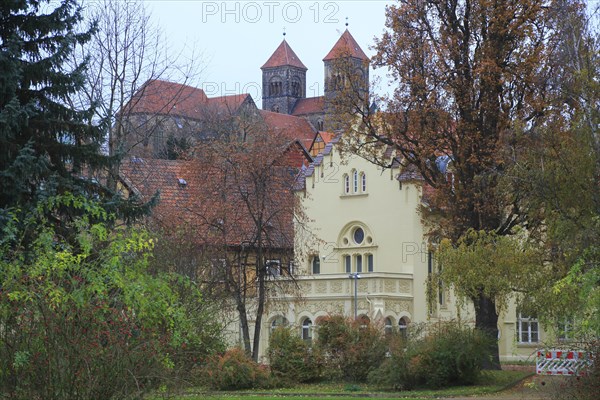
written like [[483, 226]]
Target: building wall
[[393, 234], [396, 288], [284, 100]]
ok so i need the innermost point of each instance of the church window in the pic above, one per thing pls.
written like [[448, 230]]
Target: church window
[[355, 181], [275, 87], [296, 89]]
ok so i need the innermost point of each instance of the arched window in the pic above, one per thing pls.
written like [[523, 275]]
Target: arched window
[[296, 88], [307, 330], [363, 182], [348, 263], [346, 184], [403, 326], [355, 181], [275, 86], [364, 321], [277, 322], [370, 262], [387, 327], [359, 260], [316, 265], [320, 125]]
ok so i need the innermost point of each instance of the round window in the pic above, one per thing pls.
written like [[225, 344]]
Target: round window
[[359, 235]]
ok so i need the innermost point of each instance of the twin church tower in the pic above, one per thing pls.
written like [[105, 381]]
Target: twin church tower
[[284, 79]]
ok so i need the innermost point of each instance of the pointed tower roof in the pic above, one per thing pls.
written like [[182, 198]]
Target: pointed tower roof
[[346, 45], [284, 55]]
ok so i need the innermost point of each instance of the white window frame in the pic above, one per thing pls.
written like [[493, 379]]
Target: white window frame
[[525, 326], [274, 272], [306, 330]]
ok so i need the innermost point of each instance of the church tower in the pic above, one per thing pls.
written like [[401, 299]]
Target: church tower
[[345, 54], [283, 80]]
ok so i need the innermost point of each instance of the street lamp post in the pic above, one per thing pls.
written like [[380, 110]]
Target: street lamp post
[[356, 277]]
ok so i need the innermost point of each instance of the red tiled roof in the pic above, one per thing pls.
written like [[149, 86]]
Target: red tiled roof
[[229, 103], [326, 136], [168, 98], [162, 97], [293, 128], [310, 105], [284, 55], [192, 195], [346, 46]]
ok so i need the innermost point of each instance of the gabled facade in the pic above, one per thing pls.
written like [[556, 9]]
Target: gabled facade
[[360, 219]]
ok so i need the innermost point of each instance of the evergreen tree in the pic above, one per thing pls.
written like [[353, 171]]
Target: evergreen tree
[[46, 146]]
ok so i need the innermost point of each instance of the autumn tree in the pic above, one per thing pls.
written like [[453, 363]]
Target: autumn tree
[[557, 174], [248, 209], [472, 78]]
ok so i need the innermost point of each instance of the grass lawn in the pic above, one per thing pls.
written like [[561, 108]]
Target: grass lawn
[[491, 381]]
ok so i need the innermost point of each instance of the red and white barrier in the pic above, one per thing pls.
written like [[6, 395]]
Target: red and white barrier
[[561, 362]]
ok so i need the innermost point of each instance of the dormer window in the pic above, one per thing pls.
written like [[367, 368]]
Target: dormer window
[[182, 182]]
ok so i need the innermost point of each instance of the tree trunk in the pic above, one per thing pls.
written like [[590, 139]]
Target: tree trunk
[[486, 321], [261, 273]]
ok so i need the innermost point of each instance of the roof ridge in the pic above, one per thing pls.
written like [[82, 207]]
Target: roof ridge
[[284, 55], [346, 45]]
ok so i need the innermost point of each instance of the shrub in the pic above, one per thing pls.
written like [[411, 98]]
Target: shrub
[[81, 318], [447, 355], [584, 387], [234, 370], [291, 359], [351, 348]]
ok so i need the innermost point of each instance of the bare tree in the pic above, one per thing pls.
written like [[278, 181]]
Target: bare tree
[[249, 209], [127, 51]]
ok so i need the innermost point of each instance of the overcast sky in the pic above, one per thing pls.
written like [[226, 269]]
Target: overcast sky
[[237, 37]]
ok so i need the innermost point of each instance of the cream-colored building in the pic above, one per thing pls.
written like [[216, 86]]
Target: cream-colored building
[[364, 220]]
